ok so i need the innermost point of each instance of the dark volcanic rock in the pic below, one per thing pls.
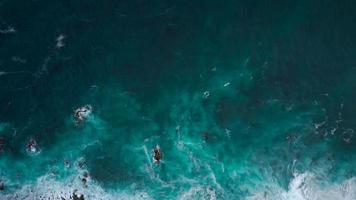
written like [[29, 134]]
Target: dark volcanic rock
[[75, 197]]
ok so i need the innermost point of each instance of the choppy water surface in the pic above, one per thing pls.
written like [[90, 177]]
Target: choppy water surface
[[246, 99]]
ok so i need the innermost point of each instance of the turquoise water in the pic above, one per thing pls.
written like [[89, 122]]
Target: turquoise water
[[246, 99]]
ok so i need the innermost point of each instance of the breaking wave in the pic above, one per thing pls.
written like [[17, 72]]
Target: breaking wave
[[48, 188], [307, 186]]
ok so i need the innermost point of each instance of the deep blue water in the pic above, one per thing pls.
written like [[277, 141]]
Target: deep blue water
[[246, 99]]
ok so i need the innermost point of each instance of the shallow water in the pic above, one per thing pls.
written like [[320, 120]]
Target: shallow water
[[246, 99]]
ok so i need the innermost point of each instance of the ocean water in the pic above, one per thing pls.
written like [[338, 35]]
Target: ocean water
[[246, 99]]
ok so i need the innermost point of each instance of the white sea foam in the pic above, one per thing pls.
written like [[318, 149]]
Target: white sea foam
[[59, 41], [8, 30], [47, 188], [206, 94], [306, 186], [18, 59], [199, 192], [226, 84]]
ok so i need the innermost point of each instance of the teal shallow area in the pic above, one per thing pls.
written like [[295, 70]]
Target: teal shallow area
[[246, 99]]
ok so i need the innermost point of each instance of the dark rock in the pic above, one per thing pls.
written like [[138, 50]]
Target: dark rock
[[75, 197], [81, 163], [157, 155], [2, 186], [2, 144], [66, 163], [32, 146]]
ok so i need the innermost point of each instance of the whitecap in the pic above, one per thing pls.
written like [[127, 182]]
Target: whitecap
[[226, 84]]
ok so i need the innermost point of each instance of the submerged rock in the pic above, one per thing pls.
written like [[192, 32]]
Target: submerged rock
[[66, 163], [32, 146], [81, 163], [82, 113], [2, 144], [2, 185]]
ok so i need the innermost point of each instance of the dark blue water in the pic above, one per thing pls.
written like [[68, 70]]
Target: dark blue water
[[246, 99]]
